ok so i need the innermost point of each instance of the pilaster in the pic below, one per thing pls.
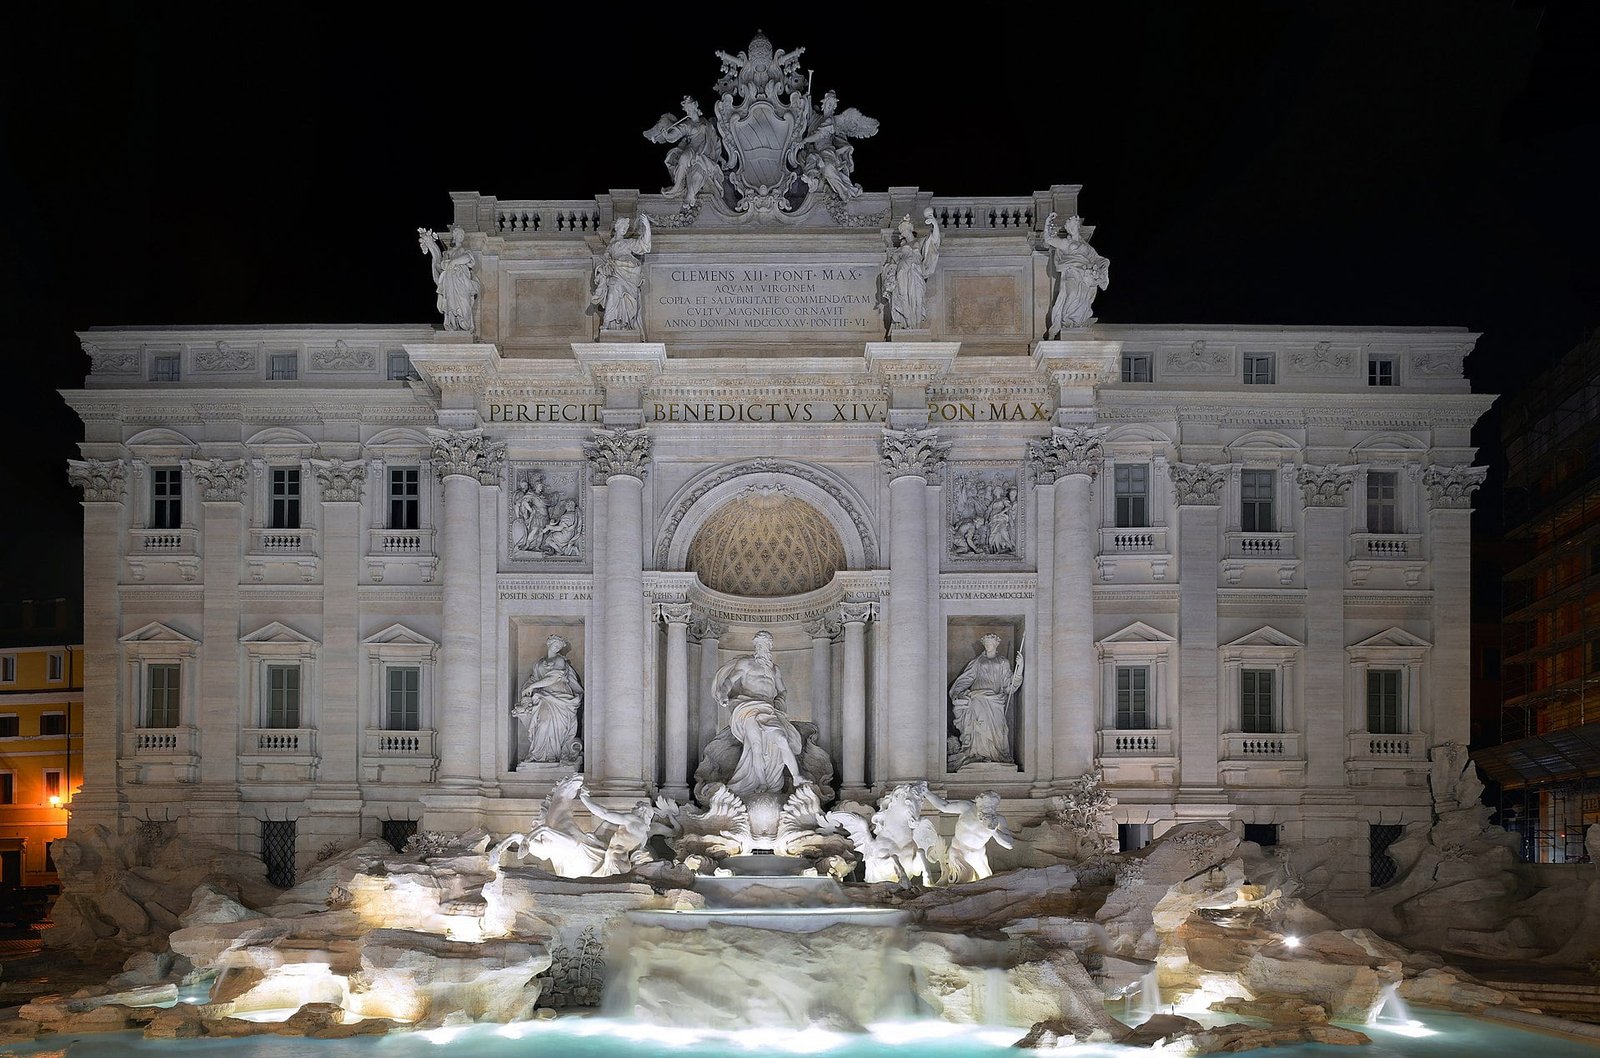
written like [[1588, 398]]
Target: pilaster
[[910, 456], [1198, 495], [1450, 490], [98, 803], [1327, 530]]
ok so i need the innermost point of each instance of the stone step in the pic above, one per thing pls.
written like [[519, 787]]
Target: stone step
[[1568, 999]]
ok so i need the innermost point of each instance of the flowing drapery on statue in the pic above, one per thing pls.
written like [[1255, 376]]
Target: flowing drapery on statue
[[1081, 273], [619, 276], [980, 705], [547, 709], [751, 688]]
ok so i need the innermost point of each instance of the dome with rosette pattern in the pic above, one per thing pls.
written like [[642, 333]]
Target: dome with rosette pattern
[[766, 543]]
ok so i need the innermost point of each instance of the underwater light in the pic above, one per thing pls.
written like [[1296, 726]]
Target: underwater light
[[1291, 942]]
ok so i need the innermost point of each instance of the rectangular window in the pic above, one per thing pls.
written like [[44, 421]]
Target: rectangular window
[[8, 787], [8, 668], [164, 369], [1133, 698], [1257, 712], [283, 367], [52, 784], [400, 367], [283, 696], [1381, 867], [1380, 371], [285, 498], [397, 832], [55, 667], [1136, 367], [1383, 506], [161, 699], [1383, 702], [404, 497], [277, 851], [1132, 495], [1131, 836], [52, 723], [1255, 501], [166, 497], [1258, 369], [10, 726], [405, 709], [1263, 834]]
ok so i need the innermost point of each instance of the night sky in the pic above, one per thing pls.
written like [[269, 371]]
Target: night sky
[[1268, 163]]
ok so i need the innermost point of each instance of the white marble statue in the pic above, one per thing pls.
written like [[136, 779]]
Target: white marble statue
[[1080, 272], [547, 708], [908, 264], [619, 275], [752, 689], [544, 520], [530, 515], [625, 847], [826, 156], [696, 162], [616, 846], [980, 705], [897, 844], [452, 277], [978, 822]]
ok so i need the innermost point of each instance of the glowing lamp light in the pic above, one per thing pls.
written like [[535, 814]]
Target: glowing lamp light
[[55, 800], [1291, 942]]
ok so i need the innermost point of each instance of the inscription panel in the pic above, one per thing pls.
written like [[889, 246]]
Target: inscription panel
[[757, 300]]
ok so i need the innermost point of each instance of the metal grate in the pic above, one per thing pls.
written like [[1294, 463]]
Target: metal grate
[[1263, 834], [1382, 867], [277, 851], [398, 831]]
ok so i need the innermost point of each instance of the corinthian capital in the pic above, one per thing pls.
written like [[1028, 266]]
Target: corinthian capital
[[1452, 486], [1324, 486], [618, 451], [913, 451], [467, 453], [1197, 484], [341, 482], [1068, 450], [100, 479], [219, 480]]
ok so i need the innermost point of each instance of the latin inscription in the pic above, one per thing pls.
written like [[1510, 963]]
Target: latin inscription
[[750, 299], [780, 411]]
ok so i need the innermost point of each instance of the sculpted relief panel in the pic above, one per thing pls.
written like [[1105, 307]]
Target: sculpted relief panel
[[983, 509], [545, 512]]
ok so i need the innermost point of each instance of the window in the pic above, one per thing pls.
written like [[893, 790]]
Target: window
[[8, 668], [1380, 371], [53, 723], [1133, 698], [1132, 836], [55, 667], [1257, 712], [1382, 503], [1263, 834], [405, 698], [1132, 495], [283, 696], [277, 851], [1136, 367], [285, 498], [1380, 865], [10, 726], [400, 368], [164, 369], [283, 367], [161, 696], [398, 831], [1258, 369], [1383, 702], [8, 787], [1255, 501], [404, 497], [166, 498], [53, 786]]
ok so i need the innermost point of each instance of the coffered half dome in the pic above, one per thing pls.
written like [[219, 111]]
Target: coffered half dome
[[766, 543]]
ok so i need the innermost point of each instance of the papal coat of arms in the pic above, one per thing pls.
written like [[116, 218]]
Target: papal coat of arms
[[769, 151]]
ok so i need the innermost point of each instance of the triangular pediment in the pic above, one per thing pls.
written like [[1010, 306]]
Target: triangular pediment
[[156, 632], [1138, 632], [398, 635], [1391, 637], [1266, 636], [277, 632]]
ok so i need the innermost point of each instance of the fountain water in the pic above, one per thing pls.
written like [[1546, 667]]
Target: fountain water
[[1392, 1008]]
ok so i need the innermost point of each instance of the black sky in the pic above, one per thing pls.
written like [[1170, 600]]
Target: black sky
[[1343, 164]]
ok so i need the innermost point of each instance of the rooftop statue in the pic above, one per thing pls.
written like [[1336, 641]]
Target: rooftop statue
[[826, 157], [619, 275], [452, 277], [1080, 274], [908, 264], [696, 162]]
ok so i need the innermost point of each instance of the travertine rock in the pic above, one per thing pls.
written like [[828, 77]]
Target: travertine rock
[[1231, 1039], [1278, 1010], [1441, 988]]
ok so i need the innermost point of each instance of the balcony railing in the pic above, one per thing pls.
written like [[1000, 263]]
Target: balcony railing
[[398, 744], [162, 741], [1147, 540], [1149, 742], [291, 542], [400, 543], [1241, 745], [1260, 545], [285, 741], [1366, 745], [1381, 546], [156, 542]]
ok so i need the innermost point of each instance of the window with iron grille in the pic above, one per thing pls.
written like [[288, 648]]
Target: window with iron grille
[[1258, 369], [8, 668], [285, 498], [405, 698], [283, 696], [1380, 371], [1263, 834], [1383, 702], [1255, 501], [398, 831], [161, 696], [1383, 508], [53, 724], [164, 369], [400, 367], [1256, 702], [1381, 866], [1133, 698], [1132, 484], [404, 497], [1136, 367], [277, 851], [166, 497], [283, 367]]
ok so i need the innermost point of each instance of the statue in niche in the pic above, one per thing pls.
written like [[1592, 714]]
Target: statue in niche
[[978, 822], [826, 157], [547, 708], [980, 701], [752, 689], [907, 266], [696, 162], [544, 518], [1080, 272], [452, 277], [619, 275]]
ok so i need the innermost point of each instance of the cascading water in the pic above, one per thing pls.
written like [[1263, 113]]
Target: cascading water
[[1149, 1003], [1391, 1008]]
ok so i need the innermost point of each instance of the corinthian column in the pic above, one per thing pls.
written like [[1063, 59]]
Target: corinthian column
[[464, 460], [853, 616], [103, 485], [822, 631], [620, 458], [909, 456], [1071, 456], [676, 722], [1326, 532]]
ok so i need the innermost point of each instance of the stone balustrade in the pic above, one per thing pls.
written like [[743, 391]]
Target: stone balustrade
[[282, 541], [1151, 742], [1147, 540], [162, 741], [398, 744], [1242, 545], [162, 541], [400, 543], [1366, 745], [572, 217], [1380, 546], [1280, 745], [1011, 213], [289, 741]]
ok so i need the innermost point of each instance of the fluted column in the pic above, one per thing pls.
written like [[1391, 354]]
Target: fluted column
[[674, 783], [909, 457], [104, 487], [620, 458], [821, 632], [1072, 456], [464, 460], [1450, 490], [1327, 530], [1198, 491], [853, 696]]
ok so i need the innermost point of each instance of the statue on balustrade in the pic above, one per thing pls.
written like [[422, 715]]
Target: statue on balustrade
[[547, 708], [619, 276], [458, 288], [1080, 274], [696, 162], [980, 701], [908, 264], [826, 157]]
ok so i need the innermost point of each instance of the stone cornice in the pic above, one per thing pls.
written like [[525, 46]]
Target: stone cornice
[[911, 363], [626, 365]]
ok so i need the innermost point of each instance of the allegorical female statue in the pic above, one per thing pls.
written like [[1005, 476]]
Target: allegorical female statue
[[619, 275], [907, 267], [980, 701], [452, 277], [547, 709], [696, 161], [752, 688], [1081, 274]]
